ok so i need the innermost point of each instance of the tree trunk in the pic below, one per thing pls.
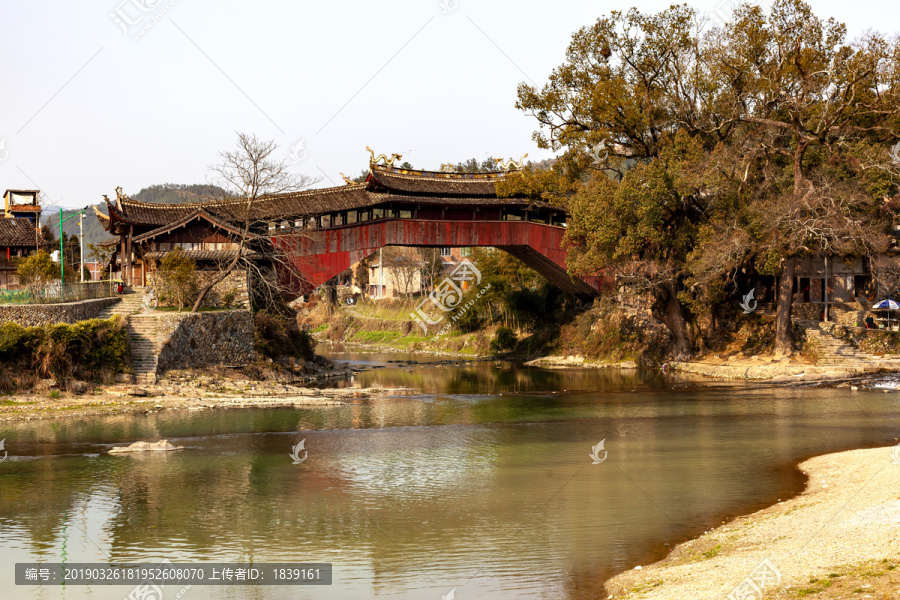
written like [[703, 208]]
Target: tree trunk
[[707, 328], [672, 317], [784, 338]]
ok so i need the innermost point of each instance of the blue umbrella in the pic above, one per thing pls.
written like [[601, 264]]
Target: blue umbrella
[[887, 305]]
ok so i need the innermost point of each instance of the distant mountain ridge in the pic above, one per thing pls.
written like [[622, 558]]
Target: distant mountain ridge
[[166, 193]]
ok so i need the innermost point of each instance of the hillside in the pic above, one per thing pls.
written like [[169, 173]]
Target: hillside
[[167, 193]]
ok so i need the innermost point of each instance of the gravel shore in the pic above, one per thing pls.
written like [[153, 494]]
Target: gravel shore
[[840, 538], [189, 390]]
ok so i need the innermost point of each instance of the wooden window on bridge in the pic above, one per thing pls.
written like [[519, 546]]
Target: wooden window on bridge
[[406, 214], [326, 220], [337, 220], [352, 216], [377, 213]]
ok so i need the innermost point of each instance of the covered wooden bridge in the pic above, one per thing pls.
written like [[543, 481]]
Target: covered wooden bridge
[[325, 231]]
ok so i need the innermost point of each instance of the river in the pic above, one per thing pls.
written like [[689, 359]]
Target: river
[[481, 481]]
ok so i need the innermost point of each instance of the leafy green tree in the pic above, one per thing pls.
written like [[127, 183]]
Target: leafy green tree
[[177, 277], [36, 272], [808, 111], [756, 143], [48, 241]]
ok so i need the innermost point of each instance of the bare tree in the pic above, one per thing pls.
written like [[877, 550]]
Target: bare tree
[[249, 173], [433, 266], [405, 267]]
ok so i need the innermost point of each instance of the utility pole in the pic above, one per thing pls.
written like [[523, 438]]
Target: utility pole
[[62, 261], [825, 283], [81, 240]]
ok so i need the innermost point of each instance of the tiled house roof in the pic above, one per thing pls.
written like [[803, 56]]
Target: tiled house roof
[[16, 233]]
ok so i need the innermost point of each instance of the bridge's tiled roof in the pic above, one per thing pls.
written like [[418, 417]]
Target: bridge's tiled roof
[[384, 184], [430, 182], [16, 233]]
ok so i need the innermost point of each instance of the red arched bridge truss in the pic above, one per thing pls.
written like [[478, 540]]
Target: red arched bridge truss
[[321, 254]]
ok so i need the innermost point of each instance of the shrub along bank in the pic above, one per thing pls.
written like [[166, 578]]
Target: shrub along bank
[[94, 350], [387, 324]]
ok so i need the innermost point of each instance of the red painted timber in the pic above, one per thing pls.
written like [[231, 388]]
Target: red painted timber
[[320, 254]]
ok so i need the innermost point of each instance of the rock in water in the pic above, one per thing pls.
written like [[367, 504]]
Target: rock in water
[[160, 446]]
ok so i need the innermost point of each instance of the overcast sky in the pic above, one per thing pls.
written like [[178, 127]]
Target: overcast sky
[[89, 103]]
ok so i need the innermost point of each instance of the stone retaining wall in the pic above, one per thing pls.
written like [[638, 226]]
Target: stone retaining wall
[[37, 315], [205, 339], [231, 292]]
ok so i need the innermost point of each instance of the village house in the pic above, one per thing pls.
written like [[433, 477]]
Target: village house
[[18, 233]]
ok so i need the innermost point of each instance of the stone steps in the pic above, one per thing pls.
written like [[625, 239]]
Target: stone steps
[[834, 351], [145, 349], [128, 304]]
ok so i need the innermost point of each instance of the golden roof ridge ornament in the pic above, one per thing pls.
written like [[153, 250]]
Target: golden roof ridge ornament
[[347, 180], [373, 160], [510, 165]]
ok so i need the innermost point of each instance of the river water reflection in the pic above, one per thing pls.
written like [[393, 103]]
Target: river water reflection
[[480, 481]]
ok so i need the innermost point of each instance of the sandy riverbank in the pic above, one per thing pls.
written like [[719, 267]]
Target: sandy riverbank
[[783, 371], [840, 538], [767, 369]]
